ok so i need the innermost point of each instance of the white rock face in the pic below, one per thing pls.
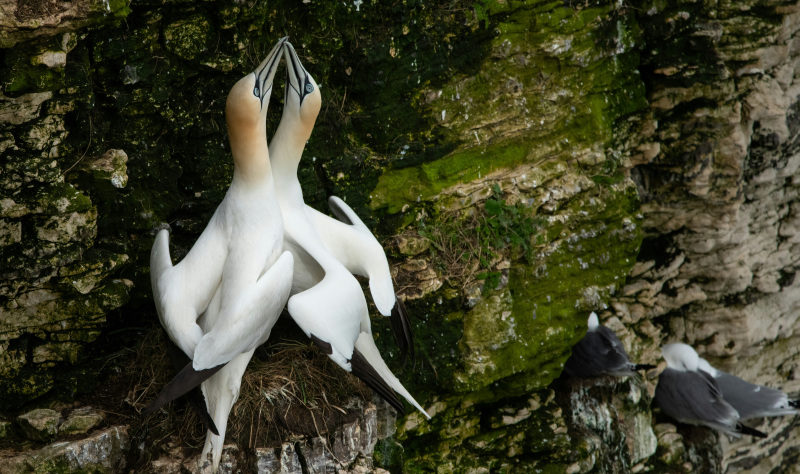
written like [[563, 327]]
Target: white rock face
[[721, 201]]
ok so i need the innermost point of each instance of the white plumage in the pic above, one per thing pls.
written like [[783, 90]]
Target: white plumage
[[327, 301], [238, 275]]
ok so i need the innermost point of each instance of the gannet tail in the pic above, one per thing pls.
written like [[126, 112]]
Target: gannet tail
[[187, 379], [365, 346], [195, 396], [380, 283], [402, 332]]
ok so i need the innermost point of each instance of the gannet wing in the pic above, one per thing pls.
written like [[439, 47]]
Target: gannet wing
[[335, 327], [352, 243], [248, 321], [354, 246], [251, 321], [182, 292]]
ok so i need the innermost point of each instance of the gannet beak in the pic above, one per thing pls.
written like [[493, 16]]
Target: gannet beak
[[298, 78], [265, 72]]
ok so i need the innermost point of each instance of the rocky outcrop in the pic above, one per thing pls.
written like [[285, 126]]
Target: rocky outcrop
[[719, 190], [524, 162], [347, 450], [104, 451]]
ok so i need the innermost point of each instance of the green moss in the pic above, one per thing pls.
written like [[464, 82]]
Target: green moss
[[188, 37], [398, 188]]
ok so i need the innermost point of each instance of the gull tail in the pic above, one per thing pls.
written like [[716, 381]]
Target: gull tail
[[365, 347], [186, 380], [195, 396], [402, 332], [744, 429], [637, 367]]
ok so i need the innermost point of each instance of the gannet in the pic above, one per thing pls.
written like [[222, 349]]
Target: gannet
[[692, 396], [749, 399], [254, 281], [327, 302], [600, 352], [350, 241]]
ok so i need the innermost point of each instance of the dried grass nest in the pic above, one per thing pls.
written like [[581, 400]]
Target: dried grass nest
[[290, 389]]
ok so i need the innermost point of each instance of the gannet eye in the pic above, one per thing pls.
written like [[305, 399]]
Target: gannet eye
[[309, 88], [256, 91]]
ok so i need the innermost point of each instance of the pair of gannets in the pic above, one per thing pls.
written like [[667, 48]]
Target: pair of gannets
[[691, 391], [264, 244]]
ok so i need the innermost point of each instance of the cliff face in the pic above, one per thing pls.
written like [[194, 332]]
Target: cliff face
[[524, 163]]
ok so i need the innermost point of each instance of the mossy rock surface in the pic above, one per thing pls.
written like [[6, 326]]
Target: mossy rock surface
[[435, 116]]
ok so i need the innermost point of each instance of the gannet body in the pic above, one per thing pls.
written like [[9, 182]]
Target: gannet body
[[327, 302], [749, 399], [350, 241], [600, 352], [256, 274], [692, 396]]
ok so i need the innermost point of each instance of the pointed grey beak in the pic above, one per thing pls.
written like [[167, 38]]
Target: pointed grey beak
[[265, 72], [298, 78]]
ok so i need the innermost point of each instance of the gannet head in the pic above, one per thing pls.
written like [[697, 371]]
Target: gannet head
[[302, 99], [246, 107], [681, 357]]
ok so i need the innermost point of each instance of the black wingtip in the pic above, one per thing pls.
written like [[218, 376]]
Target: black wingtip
[[746, 430], [186, 380], [338, 211], [364, 371], [402, 332], [794, 404], [195, 396], [644, 367]]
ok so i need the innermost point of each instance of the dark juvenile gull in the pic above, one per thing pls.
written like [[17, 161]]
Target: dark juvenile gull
[[751, 400], [692, 396], [600, 352]]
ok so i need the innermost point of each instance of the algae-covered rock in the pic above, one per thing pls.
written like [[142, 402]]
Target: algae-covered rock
[[40, 424], [5, 429], [514, 156], [81, 421], [102, 452]]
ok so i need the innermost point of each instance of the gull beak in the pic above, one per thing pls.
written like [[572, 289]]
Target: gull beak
[[265, 72]]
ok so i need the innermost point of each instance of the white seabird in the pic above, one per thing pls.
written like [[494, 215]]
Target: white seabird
[[327, 302], [600, 352], [350, 241], [251, 272], [749, 399], [692, 396]]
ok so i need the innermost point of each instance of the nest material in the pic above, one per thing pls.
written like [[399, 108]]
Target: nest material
[[289, 389]]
